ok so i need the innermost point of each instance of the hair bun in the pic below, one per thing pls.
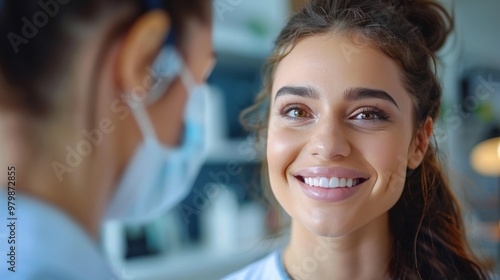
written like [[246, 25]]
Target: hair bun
[[433, 21]]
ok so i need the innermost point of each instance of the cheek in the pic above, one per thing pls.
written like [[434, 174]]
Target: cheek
[[279, 155], [388, 157], [282, 149]]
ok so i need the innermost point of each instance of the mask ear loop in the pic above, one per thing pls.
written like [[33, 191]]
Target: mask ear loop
[[139, 108], [142, 118], [187, 78], [165, 68]]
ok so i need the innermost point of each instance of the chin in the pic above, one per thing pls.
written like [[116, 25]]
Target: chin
[[328, 232], [327, 228]]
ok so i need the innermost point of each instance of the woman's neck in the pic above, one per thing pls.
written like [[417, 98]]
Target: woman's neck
[[362, 254]]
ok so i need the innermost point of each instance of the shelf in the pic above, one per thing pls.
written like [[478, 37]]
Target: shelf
[[240, 150]]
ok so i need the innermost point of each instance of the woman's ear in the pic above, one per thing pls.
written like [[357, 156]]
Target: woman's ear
[[420, 144], [140, 47]]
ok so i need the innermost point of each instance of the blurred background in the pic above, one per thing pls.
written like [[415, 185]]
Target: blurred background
[[221, 226]]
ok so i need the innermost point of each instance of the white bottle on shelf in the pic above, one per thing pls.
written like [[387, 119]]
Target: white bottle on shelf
[[220, 220]]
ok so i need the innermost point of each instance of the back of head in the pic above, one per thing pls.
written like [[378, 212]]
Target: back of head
[[42, 38], [71, 74]]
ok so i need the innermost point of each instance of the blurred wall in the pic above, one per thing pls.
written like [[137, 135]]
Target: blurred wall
[[473, 54]]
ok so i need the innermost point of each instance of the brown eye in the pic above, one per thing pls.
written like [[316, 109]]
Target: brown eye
[[370, 114], [367, 116], [297, 113]]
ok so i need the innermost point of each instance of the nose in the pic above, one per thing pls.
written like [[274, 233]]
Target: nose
[[328, 141]]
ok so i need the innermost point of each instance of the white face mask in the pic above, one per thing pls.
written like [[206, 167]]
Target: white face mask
[[158, 177]]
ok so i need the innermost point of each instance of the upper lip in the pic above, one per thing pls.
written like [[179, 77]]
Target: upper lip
[[329, 172]]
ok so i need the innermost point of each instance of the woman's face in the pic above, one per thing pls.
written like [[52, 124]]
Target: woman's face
[[339, 136]]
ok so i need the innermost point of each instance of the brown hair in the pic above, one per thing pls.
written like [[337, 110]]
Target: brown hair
[[31, 65], [426, 222]]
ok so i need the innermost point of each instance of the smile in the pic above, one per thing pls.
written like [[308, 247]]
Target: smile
[[330, 183], [330, 189]]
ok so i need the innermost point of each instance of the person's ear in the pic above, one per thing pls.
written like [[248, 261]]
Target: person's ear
[[420, 144], [140, 47]]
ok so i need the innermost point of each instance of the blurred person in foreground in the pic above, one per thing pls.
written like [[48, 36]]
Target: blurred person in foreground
[[102, 118], [350, 100]]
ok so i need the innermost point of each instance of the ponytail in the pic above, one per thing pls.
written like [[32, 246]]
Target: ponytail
[[429, 236]]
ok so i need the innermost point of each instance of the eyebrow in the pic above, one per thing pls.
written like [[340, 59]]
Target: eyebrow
[[368, 93], [350, 94], [299, 91]]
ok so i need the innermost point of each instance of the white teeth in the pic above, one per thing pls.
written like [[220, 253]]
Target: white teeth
[[333, 182], [323, 182], [342, 182], [349, 183]]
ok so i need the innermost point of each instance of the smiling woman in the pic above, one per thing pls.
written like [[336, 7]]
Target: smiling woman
[[350, 98]]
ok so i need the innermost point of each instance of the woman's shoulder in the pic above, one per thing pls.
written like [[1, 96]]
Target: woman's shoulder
[[269, 267]]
